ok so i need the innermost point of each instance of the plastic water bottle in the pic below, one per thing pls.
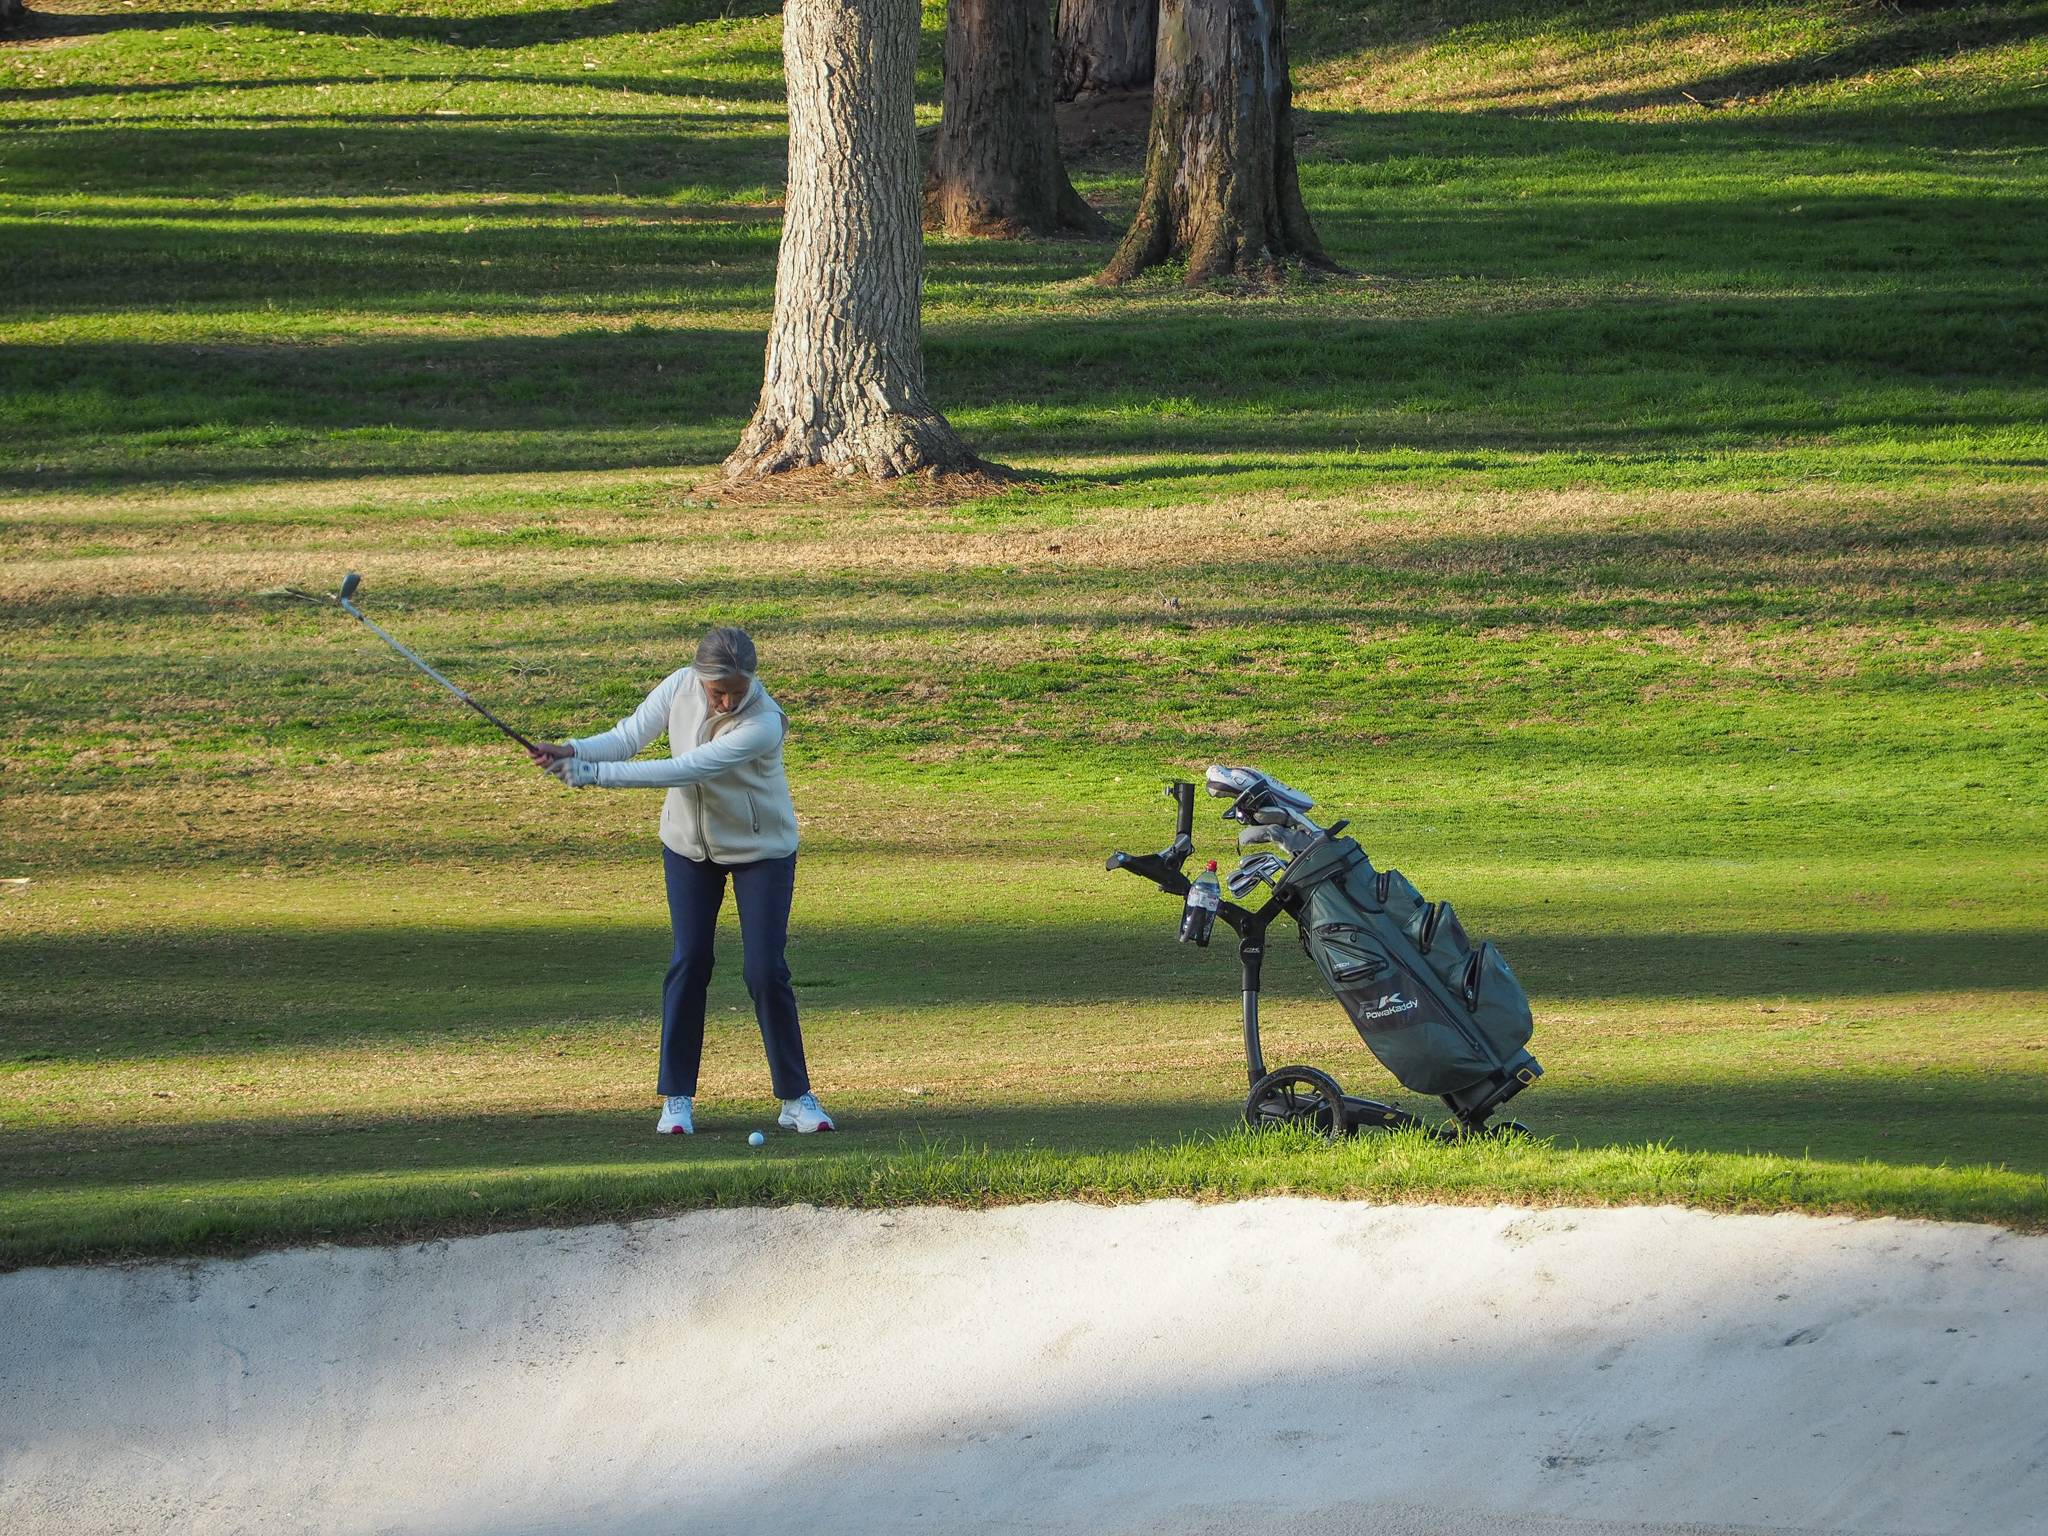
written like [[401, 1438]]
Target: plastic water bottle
[[1205, 900]]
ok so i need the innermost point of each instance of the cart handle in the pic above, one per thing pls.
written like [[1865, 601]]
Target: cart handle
[[1163, 868]]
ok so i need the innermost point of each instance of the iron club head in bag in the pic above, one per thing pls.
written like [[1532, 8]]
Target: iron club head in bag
[[1259, 869]]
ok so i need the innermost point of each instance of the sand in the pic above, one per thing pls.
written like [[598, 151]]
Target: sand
[[1275, 1365]]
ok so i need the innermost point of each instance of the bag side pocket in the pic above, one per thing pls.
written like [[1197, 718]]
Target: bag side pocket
[[1398, 897], [1444, 943], [1347, 954], [1499, 1007]]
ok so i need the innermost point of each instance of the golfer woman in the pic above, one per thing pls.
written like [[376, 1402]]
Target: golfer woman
[[728, 812]]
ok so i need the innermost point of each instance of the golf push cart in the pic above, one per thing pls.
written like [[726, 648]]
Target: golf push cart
[[1443, 1014]]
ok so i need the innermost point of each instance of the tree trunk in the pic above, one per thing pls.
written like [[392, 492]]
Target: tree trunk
[[1104, 45], [13, 12], [1220, 179], [844, 379], [996, 169]]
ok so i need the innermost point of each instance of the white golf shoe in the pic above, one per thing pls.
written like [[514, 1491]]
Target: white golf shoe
[[804, 1116], [675, 1117]]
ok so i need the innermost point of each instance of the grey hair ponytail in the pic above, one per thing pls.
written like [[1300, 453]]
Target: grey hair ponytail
[[726, 652]]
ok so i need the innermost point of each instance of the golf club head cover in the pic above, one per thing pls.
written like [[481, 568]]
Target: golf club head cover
[[1292, 839], [1222, 780]]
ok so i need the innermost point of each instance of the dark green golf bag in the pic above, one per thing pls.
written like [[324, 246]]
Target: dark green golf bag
[[1443, 1014]]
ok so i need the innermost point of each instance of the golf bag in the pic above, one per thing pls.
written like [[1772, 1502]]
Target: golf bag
[[1445, 1015]]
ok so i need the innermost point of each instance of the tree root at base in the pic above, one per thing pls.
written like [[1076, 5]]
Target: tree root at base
[[883, 446]]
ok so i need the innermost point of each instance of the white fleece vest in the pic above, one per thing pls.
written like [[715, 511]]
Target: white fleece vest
[[745, 813]]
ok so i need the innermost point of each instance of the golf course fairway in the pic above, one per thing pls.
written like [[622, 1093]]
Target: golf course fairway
[[1642, 544]]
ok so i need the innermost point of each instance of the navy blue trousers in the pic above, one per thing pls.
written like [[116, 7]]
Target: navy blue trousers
[[762, 890]]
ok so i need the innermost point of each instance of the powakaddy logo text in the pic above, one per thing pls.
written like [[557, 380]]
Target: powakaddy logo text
[[1388, 1005]]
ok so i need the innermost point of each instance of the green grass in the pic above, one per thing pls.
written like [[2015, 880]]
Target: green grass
[[1646, 549], [408, 1202], [439, 238]]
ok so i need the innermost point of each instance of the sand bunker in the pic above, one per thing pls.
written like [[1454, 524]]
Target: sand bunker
[[1276, 1365]]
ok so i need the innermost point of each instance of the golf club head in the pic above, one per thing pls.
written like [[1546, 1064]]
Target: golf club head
[[1260, 868], [349, 583]]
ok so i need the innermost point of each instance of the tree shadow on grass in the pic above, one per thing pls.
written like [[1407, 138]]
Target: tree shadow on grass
[[1936, 556], [1600, 341], [1606, 382], [1858, 1111], [1851, 1115], [1423, 148], [447, 82], [541, 1140], [1862, 41], [681, 153], [512, 29], [593, 213], [480, 268], [1901, 39], [336, 984]]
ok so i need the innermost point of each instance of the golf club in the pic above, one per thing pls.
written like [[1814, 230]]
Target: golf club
[[349, 586]]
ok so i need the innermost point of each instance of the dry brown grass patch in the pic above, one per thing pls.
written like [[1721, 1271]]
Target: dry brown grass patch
[[1836, 542]]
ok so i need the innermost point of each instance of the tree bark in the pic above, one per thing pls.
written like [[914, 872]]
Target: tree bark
[[1220, 180], [1104, 45], [843, 383], [996, 169]]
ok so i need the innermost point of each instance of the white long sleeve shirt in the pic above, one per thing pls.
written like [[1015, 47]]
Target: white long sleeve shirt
[[728, 794]]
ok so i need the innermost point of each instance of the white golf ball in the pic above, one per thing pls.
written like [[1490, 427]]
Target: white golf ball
[[756, 1139]]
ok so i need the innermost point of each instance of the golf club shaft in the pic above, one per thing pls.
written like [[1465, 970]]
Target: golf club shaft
[[410, 655]]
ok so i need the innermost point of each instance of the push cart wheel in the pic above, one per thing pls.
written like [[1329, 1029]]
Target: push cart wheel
[[1509, 1130], [1298, 1096]]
